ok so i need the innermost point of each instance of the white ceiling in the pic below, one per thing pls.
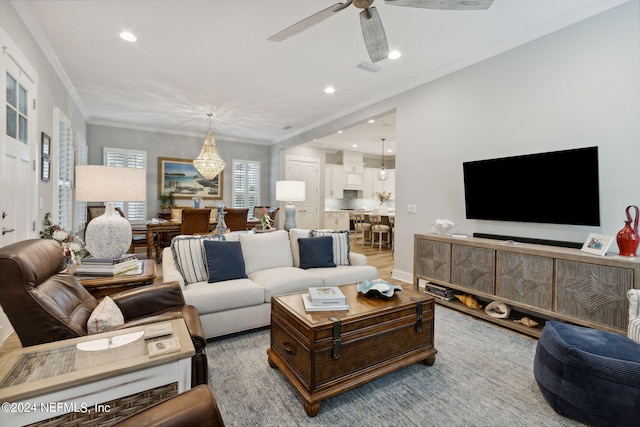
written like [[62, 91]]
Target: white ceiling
[[193, 57]]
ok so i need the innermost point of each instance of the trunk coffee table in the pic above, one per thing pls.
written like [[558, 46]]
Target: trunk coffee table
[[326, 353]]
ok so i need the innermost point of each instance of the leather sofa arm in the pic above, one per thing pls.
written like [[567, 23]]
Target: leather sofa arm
[[197, 406], [148, 300]]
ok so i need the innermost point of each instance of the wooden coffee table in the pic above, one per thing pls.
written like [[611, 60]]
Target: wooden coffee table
[[102, 286], [326, 353]]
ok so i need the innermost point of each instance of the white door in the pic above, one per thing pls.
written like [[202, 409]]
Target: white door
[[307, 170], [18, 152], [18, 148]]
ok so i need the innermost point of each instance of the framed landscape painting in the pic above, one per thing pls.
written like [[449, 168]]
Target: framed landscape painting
[[180, 177]]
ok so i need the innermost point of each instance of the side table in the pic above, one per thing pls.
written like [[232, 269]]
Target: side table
[[66, 385], [102, 286]]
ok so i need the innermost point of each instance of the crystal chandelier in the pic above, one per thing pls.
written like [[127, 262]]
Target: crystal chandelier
[[209, 163], [382, 173]]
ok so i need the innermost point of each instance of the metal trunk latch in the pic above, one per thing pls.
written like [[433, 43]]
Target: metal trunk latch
[[335, 351], [419, 314]]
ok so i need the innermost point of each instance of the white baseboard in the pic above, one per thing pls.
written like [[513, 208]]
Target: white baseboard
[[403, 276]]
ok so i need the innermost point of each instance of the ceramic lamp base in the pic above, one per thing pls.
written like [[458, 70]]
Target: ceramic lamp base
[[109, 235], [290, 217]]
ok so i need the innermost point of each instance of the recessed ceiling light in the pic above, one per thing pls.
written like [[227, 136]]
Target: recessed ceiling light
[[371, 121], [389, 150], [126, 35], [329, 89], [340, 131], [394, 54], [354, 146]]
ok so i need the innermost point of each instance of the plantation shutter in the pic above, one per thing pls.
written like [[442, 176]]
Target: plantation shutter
[[246, 184], [65, 172], [136, 212], [81, 207]]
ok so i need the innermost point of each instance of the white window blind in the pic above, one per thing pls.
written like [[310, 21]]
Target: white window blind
[[136, 212], [81, 207], [64, 135], [246, 184]]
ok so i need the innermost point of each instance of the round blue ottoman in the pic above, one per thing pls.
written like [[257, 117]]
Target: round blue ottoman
[[590, 375]]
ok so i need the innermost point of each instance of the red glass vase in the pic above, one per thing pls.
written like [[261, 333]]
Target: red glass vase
[[628, 238]]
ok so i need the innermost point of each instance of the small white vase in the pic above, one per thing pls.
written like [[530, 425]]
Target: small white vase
[[383, 209]]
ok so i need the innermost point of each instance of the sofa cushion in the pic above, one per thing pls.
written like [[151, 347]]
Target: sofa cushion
[[340, 245], [223, 296], [224, 260], [189, 256], [294, 235], [344, 275], [284, 280], [316, 252], [262, 251], [105, 317]]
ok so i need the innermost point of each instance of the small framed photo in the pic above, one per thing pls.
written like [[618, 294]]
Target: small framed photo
[[597, 244], [45, 169], [46, 145]]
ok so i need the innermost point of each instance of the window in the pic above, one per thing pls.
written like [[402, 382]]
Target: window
[[17, 120], [136, 212], [65, 171], [81, 158], [246, 184]]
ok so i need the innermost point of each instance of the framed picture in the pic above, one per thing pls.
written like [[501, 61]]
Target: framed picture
[[180, 177], [45, 168], [45, 141], [597, 244]]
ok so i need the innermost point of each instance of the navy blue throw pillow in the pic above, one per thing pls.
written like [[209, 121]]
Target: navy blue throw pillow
[[224, 260], [316, 252]]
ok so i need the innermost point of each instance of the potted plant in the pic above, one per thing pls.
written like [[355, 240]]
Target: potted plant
[[166, 202]]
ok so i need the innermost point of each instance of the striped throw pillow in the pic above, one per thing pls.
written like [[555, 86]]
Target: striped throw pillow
[[633, 331], [189, 255], [340, 245]]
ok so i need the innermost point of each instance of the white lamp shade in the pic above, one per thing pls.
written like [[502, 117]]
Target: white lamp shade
[[110, 184], [290, 191]]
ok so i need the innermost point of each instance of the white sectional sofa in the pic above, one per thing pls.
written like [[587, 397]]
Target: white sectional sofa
[[272, 266]]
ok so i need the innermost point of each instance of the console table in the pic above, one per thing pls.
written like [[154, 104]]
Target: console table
[[58, 380], [545, 282]]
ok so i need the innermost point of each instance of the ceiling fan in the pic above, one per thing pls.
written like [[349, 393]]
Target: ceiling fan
[[374, 36]]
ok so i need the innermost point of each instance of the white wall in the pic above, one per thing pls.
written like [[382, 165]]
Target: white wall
[[577, 87]]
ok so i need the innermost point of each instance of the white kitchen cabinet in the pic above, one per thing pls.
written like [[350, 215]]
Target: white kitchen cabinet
[[334, 182], [373, 185], [337, 221]]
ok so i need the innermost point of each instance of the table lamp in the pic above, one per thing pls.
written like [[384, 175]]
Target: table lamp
[[290, 191], [109, 235]]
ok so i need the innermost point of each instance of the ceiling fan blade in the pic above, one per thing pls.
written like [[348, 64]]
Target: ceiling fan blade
[[374, 37], [443, 4], [309, 22]]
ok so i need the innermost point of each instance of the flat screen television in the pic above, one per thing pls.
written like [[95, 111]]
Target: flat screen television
[[559, 187]]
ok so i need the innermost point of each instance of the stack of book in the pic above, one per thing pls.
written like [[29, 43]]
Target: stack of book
[[328, 298], [441, 292], [108, 267]]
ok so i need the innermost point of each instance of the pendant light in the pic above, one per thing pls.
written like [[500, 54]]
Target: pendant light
[[209, 163], [382, 173]]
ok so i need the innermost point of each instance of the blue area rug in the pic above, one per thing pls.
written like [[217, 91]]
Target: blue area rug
[[482, 377]]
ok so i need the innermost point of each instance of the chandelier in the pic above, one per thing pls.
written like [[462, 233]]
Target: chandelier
[[382, 173], [209, 163]]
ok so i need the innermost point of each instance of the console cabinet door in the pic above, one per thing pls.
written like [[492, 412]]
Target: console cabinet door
[[433, 260], [594, 293], [525, 278], [473, 268]]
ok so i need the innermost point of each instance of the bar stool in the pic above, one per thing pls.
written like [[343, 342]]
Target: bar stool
[[361, 227], [392, 224], [380, 229]]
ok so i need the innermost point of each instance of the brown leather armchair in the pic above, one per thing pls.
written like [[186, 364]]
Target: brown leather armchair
[[44, 305], [195, 407]]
